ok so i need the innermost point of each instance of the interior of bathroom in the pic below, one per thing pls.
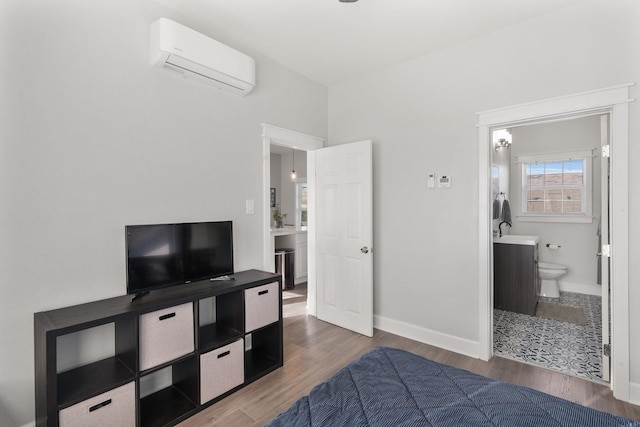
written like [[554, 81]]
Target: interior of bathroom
[[547, 201], [288, 200]]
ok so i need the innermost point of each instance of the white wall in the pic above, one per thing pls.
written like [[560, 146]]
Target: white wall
[[579, 242], [421, 116], [93, 138]]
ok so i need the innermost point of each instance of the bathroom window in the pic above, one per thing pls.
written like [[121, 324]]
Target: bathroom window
[[556, 187]]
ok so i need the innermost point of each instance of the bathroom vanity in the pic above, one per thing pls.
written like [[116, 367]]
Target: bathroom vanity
[[515, 271]]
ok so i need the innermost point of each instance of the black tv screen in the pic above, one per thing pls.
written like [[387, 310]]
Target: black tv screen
[[161, 255]]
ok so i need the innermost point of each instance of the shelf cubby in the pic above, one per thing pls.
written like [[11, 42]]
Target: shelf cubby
[[226, 310], [76, 384], [216, 335], [92, 379], [174, 402], [265, 353]]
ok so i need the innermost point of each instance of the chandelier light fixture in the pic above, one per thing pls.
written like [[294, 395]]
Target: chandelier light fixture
[[501, 139]]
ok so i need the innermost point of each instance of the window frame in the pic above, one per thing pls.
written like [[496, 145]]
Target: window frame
[[586, 216], [299, 208]]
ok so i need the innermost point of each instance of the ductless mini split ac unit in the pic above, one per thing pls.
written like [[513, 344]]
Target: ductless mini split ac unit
[[196, 56]]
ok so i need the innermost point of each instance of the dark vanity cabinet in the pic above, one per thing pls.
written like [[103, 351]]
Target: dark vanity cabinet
[[515, 284]]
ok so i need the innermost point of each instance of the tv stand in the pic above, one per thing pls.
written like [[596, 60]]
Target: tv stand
[[211, 338]]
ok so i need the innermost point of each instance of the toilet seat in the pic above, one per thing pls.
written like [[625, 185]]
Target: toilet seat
[[551, 266]]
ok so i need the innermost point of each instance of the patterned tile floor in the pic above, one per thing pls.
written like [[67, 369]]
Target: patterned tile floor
[[561, 346]]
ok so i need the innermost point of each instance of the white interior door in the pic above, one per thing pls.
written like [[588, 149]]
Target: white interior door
[[344, 236], [604, 240]]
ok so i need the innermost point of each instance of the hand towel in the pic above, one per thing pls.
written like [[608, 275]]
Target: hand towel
[[496, 209], [506, 212]]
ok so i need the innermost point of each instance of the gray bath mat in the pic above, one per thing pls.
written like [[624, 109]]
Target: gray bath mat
[[563, 313]]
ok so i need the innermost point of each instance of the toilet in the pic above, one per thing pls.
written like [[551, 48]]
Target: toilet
[[549, 274]]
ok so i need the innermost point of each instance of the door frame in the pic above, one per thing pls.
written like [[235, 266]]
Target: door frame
[[298, 141], [604, 229], [614, 101]]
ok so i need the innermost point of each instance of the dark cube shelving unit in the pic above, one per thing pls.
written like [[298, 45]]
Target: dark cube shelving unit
[[57, 391]]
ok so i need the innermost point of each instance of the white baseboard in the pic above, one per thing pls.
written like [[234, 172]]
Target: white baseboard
[[31, 424], [580, 288], [634, 393], [427, 336]]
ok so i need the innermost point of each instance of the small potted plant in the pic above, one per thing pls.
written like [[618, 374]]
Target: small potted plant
[[278, 216]]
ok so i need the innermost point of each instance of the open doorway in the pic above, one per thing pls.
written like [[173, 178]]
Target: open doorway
[[285, 142], [613, 101], [289, 209], [549, 174]]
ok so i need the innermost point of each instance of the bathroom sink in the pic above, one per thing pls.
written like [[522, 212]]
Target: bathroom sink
[[514, 239]]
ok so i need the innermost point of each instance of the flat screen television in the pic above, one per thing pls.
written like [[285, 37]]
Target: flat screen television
[[162, 255]]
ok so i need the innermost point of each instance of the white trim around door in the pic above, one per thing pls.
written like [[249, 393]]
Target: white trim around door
[[611, 100]]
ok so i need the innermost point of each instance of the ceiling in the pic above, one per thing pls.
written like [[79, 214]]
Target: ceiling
[[330, 42]]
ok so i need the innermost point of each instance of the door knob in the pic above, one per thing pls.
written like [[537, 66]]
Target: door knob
[[364, 250]]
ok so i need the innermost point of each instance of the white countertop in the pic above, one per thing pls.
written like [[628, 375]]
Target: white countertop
[[288, 229], [513, 239]]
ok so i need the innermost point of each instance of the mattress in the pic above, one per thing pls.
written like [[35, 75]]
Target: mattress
[[391, 387]]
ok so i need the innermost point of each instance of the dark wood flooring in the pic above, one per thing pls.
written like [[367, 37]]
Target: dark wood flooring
[[315, 350]]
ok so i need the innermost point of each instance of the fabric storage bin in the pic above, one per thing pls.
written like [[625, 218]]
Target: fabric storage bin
[[166, 335], [261, 306], [116, 408], [221, 370]]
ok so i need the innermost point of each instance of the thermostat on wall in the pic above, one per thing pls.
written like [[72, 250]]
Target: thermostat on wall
[[444, 182]]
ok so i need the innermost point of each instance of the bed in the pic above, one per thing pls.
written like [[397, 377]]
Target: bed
[[391, 387]]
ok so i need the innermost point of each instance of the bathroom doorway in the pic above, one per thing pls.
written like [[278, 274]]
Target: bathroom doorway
[[613, 101], [550, 174]]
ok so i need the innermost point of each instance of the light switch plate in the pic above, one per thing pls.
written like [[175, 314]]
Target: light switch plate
[[431, 180], [251, 209]]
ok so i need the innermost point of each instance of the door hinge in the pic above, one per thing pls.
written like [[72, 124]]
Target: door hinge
[[606, 250], [606, 151], [606, 349]]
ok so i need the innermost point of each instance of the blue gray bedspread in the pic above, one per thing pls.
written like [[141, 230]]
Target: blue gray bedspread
[[390, 387]]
